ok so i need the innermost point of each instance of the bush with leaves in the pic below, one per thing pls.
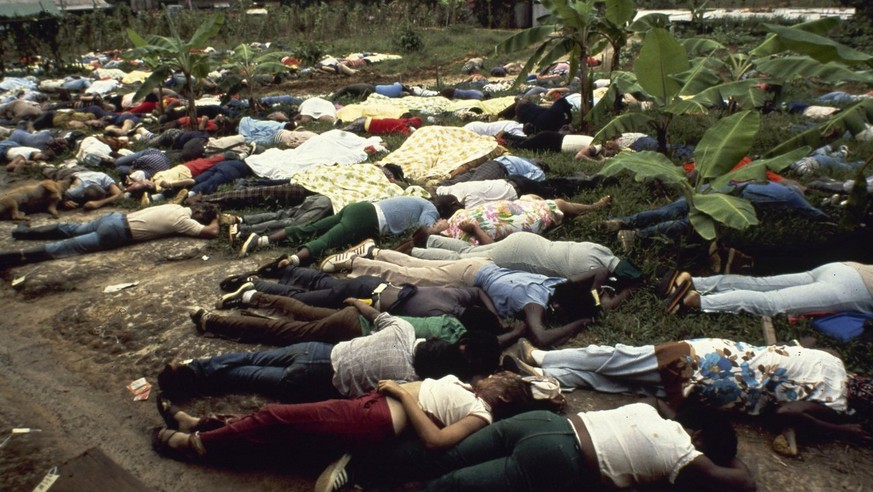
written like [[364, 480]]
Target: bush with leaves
[[407, 39]]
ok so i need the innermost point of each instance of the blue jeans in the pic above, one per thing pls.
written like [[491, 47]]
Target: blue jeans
[[108, 232], [219, 174], [319, 289], [775, 194], [296, 373], [671, 220]]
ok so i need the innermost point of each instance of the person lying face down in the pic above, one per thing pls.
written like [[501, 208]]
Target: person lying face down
[[542, 451]]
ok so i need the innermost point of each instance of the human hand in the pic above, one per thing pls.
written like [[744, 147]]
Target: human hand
[[90, 206], [70, 204], [390, 388], [468, 226]]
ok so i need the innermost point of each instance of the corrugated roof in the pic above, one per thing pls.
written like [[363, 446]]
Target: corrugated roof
[[73, 5], [17, 8]]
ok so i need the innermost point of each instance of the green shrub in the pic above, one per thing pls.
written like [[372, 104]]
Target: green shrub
[[407, 39]]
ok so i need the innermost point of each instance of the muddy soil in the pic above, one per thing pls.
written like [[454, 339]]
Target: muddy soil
[[69, 348]]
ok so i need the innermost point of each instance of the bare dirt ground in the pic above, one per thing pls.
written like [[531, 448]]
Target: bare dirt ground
[[68, 350]]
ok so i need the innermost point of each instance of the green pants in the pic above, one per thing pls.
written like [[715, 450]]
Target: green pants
[[529, 452], [354, 223]]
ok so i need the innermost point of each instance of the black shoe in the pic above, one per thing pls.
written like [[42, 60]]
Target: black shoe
[[272, 269], [234, 299], [234, 282]]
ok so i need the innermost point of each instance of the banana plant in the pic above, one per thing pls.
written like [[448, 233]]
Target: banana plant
[[246, 65], [172, 54], [572, 28], [720, 149]]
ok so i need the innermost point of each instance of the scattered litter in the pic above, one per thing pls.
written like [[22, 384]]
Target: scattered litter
[[18, 280], [205, 258], [18, 430], [118, 287], [140, 389], [48, 480]]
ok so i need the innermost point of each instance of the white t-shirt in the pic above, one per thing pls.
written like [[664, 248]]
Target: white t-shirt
[[473, 193], [447, 400], [636, 446], [490, 129], [575, 143]]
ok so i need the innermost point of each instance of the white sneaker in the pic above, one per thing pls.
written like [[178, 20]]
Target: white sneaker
[[334, 476], [363, 249], [341, 262]]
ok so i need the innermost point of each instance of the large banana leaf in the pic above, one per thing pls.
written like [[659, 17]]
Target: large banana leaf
[[155, 80], [731, 211], [701, 46], [699, 78], [792, 67], [620, 12], [210, 27], [853, 119], [687, 106], [702, 223], [819, 47], [747, 93], [772, 44], [627, 122], [649, 21], [725, 143], [757, 170], [570, 17], [645, 165], [523, 39], [660, 57]]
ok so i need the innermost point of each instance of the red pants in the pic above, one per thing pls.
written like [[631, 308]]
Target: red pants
[[353, 423]]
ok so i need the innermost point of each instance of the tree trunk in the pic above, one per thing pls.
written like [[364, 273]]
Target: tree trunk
[[586, 90]]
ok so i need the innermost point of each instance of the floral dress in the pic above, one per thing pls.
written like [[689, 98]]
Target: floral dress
[[501, 218], [742, 377]]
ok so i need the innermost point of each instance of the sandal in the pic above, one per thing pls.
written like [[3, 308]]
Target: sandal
[[168, 411], [675, 303], [161, 444], [272, 269]]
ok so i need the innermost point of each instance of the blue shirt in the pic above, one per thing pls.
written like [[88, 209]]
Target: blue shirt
[[512, 290], [392, 90], [402, 213], [519, 166]]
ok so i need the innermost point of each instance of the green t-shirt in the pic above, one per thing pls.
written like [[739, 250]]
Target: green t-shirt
[[443, 327]]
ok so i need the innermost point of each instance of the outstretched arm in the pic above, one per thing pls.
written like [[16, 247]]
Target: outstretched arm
[[210, 231], [474, 229], [366, 310], [815, 417], [432, 436], [114, 194]]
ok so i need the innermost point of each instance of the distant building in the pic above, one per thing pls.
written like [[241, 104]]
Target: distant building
[[18, 8]]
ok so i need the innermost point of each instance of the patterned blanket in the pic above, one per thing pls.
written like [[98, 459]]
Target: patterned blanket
[[352, 183], [435, 152]]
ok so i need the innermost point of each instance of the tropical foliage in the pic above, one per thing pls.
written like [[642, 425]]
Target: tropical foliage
[[171, 54]]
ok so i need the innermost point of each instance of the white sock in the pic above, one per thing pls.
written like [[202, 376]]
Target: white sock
[[295, 260], [374, 252], [191, 193], [239, 220], [247, 296], [264, 241], [158, 197], [537, 355]]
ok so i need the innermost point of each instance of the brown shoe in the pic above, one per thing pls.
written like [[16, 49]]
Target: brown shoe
[[525, 351]]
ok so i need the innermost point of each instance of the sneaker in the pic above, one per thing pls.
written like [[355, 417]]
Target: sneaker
[[145, 201], [363, 249], [627, 238], [233, 233], [180, 197], [228, 219], [335, 476], [234, 299], [250, 245], [341, 262]]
